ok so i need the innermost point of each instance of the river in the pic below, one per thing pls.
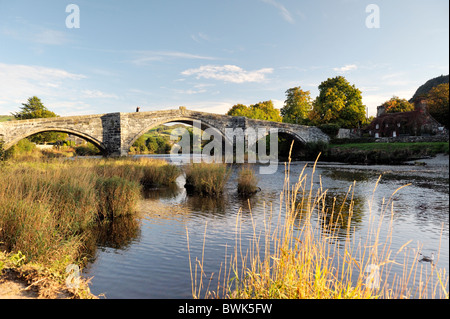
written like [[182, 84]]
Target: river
[[152, 259]]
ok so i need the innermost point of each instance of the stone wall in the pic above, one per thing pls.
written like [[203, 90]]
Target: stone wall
[[413, 139]]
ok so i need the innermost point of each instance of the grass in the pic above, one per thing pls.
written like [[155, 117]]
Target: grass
[[433, 147], [49, 208], [206, 179], [247, 181], [383, 153], [304, 256]]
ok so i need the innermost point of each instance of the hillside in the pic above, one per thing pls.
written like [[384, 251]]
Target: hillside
[[425, 88], [4, 118]]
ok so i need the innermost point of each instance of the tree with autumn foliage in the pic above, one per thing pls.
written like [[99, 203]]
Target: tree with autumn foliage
[[339, 103], [396, 104], [438, 105], [296, 107], [260, 111]]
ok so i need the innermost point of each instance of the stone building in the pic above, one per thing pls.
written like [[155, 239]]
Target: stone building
[[414, 123]]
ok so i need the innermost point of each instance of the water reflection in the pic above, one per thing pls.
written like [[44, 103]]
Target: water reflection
[[153, 250], [120, 233]]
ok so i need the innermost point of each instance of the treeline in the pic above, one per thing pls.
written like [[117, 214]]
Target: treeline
[[338, 103]]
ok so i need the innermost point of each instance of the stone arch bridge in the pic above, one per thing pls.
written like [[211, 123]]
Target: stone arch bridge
[[115, 133]]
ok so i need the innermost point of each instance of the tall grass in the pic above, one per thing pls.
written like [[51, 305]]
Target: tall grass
[[47, 209], [247, 181], [207, 179], [303, 255]]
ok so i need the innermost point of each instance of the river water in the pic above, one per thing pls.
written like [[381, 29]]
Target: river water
[[151, 259]]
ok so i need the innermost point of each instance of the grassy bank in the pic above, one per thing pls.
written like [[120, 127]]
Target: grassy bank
[[305, 255], [373, 153], [48, 209]]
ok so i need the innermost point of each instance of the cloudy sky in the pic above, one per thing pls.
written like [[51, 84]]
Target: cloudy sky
[[208, 55]]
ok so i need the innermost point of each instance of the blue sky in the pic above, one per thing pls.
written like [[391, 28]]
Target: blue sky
[[208, 55]]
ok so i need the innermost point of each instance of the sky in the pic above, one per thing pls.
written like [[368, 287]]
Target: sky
[[109, 56]]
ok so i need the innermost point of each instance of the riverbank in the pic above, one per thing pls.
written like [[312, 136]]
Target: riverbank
[[376, 153], [50, 217]]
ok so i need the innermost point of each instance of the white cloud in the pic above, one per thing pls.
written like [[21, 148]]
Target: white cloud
[[346, 68], [228, 73], [149, 56], [199, 37], [283, 11], [19, 82], [97, 94], [24, 31], [55, 87], [49, 36]]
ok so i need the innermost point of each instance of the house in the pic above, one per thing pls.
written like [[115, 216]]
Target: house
[[414, 123]]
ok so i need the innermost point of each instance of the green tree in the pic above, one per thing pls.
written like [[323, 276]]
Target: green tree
[[140, 145], [338, 102], [239, 110], [259, 111], [265, 111], [297, 106], [34, 109], [396, 104], [438, 105]]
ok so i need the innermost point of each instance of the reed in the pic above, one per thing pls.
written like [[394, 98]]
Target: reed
[[247, 181], [304, 255], [207, 179], [117, 197], [49, 208]]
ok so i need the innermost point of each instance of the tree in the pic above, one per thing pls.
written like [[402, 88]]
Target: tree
[[396, 104], [338, 102], [265, 111], [35, 109], [296, 106], [260, 111], [239, 110], [438, 105]]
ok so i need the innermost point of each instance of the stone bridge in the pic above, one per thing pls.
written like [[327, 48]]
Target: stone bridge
[[115, 133]]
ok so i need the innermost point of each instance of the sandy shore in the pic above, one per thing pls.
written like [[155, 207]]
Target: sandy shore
[[11, 288]]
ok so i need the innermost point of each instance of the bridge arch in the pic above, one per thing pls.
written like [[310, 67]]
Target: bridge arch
[[179, 119], [82, 135], [296, 137]]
